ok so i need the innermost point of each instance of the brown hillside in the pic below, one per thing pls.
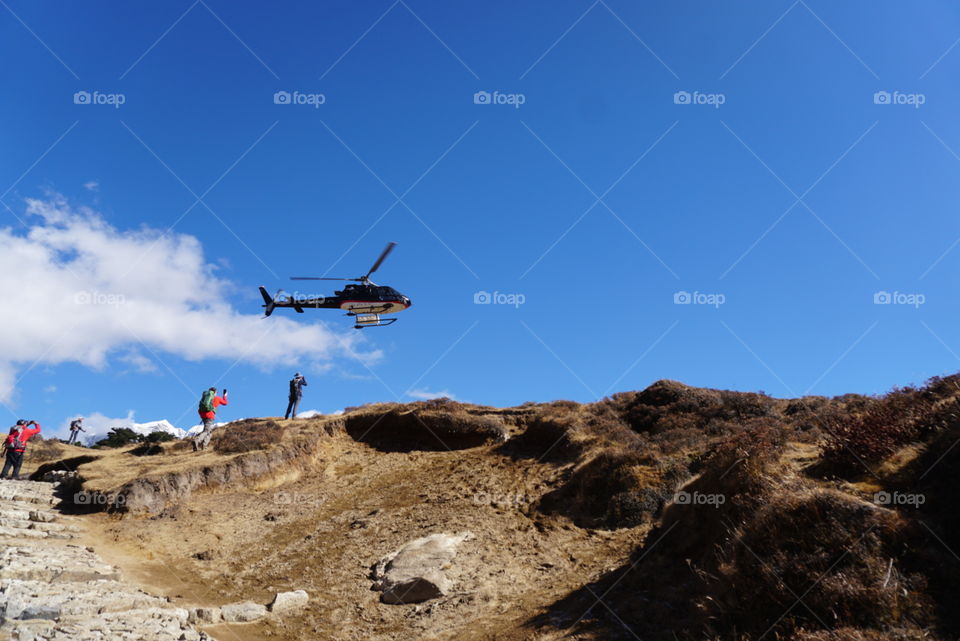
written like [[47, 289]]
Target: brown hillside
[[670, 513]]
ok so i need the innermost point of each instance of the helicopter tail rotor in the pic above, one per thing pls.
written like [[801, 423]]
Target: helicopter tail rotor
[[268, 302]]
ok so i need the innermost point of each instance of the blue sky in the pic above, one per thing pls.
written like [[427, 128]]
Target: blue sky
[[619, 183]]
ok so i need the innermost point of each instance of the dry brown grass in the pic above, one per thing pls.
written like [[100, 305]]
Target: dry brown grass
[[108, 469], [428, 425], [834, 549], [246, 436], [725, 570], [41, 450], [616, 488]]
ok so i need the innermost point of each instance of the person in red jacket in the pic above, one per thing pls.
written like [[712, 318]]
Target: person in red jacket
[[209, 403], [16, 446]]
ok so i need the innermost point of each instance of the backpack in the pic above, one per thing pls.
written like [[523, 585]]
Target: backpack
[[206, 401], [15, 443]]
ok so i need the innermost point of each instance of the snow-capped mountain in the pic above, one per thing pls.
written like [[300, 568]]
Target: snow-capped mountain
[[157, 426], [97, 426], [96, 430]]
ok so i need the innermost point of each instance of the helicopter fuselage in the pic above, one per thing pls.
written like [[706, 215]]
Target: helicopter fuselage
[[354, 299]]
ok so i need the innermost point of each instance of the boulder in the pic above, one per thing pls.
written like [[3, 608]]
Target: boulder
[[243, 612], [286, 602], [419, 571]]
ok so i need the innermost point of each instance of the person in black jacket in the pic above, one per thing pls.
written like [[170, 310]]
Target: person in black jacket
[[76, 426], [296, 393]]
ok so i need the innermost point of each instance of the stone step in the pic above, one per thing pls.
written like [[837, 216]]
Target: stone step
[[24, 485], [64, 563], [42, 600], [41, 526], [152, 624], [13, 514], [39, 499]]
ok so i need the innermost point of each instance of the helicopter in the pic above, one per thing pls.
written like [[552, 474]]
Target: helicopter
[[365, 301]]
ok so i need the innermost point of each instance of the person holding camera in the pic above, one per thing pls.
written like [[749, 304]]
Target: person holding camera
[[16, 445], [297, 384], [209, 402]]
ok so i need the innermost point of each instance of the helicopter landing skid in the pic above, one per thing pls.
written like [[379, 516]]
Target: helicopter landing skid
[[371, 320]]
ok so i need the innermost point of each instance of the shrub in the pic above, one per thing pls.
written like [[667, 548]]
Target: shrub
[[886, 425], [160, 437], [399, 429], [833, 549], [246, 436], [617, 488], [119, 437]]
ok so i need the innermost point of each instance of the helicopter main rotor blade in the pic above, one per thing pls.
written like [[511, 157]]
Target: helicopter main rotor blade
[[318, 278], [383, 256]]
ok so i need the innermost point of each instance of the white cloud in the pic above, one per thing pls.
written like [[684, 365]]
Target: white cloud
[[92, 185], [89, 293], [138, 362], [424, 394], [318, 413]]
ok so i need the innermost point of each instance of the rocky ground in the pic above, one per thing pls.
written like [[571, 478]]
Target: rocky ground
[[53, 588]]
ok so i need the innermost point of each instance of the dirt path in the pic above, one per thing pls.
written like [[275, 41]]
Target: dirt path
[[323, 531]]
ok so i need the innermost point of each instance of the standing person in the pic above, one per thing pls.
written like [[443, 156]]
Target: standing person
[[16, 446], [75, 429], [209, 402], [297, 384]]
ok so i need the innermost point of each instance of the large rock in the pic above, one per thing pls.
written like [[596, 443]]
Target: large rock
[[243, 612], [286, 602], [419, 571]]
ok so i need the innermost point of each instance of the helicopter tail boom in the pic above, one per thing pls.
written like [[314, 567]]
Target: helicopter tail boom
[[268, 301]]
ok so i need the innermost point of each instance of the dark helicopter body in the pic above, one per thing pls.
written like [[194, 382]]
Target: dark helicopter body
[[359, 299], [366, 301]]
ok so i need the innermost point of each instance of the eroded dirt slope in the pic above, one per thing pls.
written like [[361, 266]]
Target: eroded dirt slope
[[323, 531]]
